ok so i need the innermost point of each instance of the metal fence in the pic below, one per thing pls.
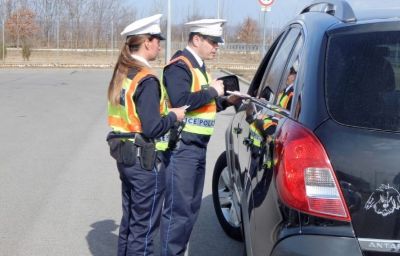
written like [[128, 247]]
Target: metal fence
[[239, 59], [228, 47]]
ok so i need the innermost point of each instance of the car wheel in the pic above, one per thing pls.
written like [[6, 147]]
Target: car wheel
[[222, 192]]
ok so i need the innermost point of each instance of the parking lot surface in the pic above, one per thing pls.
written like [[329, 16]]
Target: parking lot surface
[[60, 190]]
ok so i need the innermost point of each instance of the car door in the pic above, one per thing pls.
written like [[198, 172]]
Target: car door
[[236, 134], [254, 140], [263, 211], [238, 130]]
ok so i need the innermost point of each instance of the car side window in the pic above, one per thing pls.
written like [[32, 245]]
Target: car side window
[[276, 66], [256, 82], [287, 84]]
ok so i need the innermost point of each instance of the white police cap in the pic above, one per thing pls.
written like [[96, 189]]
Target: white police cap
[[208, 27], [149, 25]]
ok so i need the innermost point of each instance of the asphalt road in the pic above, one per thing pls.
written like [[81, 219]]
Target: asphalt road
[[59, 188]]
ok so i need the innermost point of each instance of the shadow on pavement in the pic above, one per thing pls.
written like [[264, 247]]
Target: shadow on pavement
[[101, 240], [208, 238]]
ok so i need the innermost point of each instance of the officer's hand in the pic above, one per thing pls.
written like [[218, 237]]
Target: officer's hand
[[218, 85], [179, 112], [233, 99]]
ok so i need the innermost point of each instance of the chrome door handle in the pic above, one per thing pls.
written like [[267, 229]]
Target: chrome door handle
[[248, 142], [237, 130]]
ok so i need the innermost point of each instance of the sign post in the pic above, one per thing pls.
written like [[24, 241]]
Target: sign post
[[266, 3], [3, 42], [168, 43], [265, 7]]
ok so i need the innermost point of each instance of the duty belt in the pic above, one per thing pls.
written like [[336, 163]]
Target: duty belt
[[116, 135]]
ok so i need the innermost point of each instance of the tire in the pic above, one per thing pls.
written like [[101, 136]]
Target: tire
[[222, 192]]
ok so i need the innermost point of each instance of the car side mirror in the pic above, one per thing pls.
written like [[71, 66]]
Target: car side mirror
[[231, 83]]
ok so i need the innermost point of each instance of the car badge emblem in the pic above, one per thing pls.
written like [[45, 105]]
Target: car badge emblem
[[385, 200]]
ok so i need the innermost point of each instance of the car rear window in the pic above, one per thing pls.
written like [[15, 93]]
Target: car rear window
[[362, 75]]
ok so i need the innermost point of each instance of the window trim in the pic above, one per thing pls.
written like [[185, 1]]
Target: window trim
[[276, 50]]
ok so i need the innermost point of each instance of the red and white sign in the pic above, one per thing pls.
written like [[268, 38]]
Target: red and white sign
[[266, 3]]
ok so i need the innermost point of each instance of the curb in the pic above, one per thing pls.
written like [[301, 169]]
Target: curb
[[54, 65], [83, 66]]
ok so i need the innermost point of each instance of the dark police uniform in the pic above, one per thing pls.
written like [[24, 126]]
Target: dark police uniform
[[142, 190], [186, 170]]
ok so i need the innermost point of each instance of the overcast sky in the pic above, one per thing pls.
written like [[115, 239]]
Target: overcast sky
[[235, 11]]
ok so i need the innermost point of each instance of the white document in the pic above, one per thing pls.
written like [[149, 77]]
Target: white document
[[239, 94]]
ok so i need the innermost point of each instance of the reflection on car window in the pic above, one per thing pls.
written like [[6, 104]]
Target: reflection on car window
[[285, 96], [287, 86], [277, 64], [363, 79]]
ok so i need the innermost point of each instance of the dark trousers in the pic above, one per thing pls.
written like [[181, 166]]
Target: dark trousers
[[142, 197], [183, 194], [165, 158]]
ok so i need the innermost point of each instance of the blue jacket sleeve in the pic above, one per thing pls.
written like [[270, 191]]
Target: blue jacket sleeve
[[222, 103], [147, 102], [178, 82]]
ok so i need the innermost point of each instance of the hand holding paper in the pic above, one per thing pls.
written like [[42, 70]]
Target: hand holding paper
[[238, 94]]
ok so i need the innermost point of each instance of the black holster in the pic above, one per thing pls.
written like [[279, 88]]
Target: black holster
[[126, 151], [123, 151], [174, 134], [146, 152]]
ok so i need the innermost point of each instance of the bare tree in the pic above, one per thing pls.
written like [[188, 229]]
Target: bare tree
[[3, 9], [101, 17], [76, 10], [48, 13], [97, 23], [194, 13], [123, 17], [22, 25], [157, 6], [9, 7], [248, 32]]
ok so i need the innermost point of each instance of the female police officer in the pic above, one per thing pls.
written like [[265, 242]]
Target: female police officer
[[137, 114]]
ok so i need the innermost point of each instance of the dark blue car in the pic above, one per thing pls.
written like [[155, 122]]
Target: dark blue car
[[312, 161]]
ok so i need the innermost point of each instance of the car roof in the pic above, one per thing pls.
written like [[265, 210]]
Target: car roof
[[346, 13], [383, 13]]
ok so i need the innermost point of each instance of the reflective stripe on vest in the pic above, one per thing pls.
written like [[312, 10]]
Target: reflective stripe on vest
[[201, 120], [285, 96], [255, 134], [123, 117], [162, 142]]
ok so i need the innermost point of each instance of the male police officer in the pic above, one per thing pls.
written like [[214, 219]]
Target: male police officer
[[285, 97], [188, 83]]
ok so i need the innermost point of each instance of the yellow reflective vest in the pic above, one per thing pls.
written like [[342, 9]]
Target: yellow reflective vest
[[123, 117], [201, 120], [269, 123], [256, 135], [162, 142], [285, 97]]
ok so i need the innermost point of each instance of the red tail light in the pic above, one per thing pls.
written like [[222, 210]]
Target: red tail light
[[305, 178]]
